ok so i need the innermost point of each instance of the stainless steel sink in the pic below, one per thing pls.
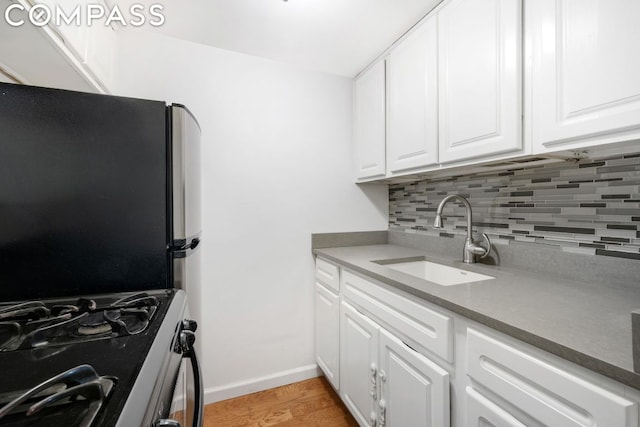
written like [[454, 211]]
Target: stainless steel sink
[[443, 275]]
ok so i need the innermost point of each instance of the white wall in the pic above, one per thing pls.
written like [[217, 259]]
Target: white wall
[[276, 168]]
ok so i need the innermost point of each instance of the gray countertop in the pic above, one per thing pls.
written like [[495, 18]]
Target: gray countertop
[[588, 324]]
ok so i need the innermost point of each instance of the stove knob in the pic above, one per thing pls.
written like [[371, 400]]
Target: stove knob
[[166, 423], [187, 338], [189, 325]]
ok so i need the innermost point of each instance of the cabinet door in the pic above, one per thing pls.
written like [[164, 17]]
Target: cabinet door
[[358, 364], [586, 65], [328, 334], [480, 62], [74, 36], [414, 390], [413, 100], [100, 58], [481, 412], [370, 122], [6, 78]]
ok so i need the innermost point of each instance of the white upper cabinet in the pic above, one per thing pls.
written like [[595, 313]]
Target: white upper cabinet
[[480, 68], [74, 35], [413, 100], [90, 49], [5, 77], [100, 57], [586, 63], [369, 118]]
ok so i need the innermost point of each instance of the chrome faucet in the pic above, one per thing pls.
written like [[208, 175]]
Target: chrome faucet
[[471, 249]]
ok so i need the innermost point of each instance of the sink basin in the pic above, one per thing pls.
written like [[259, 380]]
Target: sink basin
[[437, 273]]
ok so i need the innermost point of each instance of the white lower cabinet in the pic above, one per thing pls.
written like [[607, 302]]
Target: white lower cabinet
[[481, 412], [327, 327], [359, 364], [402, 363], [328, 334], [385, 382], [545, 391], [414, 391]]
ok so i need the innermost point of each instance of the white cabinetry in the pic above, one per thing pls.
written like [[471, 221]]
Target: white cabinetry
[[385, 382], [369, 127], [359, 364], [414, 391], [38, 56], [480, 108], [92, 45], [481, 412], [327, 327], [398, 367], [68, 56], [6, 78], [585, 85], [328, 334], [454, 88], [413, 100], [74, 34], [415, 323], [381, 374], [541, 389], [100, 56]]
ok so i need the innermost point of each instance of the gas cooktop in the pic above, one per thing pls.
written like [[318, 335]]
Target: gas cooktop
[[73, 361], [35, 324]]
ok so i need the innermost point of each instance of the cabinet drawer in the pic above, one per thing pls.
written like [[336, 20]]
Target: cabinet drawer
[[416, 324], [328, 274], [482, 412], [549, 393]]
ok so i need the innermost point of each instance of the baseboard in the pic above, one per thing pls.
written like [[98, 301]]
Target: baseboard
[[229, 391]]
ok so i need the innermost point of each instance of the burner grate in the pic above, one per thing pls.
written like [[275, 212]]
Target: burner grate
[[80, 384], [35, 325]]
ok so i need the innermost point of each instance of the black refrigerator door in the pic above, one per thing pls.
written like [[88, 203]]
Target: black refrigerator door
[[83, 193]]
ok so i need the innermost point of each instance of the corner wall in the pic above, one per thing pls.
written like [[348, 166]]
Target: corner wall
[[277, 166]]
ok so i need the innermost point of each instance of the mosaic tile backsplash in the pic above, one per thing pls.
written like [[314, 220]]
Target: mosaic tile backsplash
[[589, 207]]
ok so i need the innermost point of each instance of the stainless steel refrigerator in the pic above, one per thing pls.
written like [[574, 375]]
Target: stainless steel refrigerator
[[97, 194]]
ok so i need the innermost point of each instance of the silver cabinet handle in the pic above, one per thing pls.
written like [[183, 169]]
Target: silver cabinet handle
[[372, 419], [382, 416], [374, 383], [166, 423]]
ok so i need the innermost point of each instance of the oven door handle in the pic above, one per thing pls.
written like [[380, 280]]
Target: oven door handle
[[187, 339]]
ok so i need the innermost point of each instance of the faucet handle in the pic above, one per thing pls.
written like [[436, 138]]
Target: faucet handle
[[487, 250]]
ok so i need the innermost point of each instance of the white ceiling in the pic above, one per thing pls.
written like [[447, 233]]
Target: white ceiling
[[334, 36]]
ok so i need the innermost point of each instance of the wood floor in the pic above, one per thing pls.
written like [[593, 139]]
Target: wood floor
[[307, 404]]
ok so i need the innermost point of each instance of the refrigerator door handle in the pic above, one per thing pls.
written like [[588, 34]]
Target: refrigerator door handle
[[183, 247], [194, 243]]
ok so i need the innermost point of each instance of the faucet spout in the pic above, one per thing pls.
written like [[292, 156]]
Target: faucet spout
[[438, 222], [471, 249]]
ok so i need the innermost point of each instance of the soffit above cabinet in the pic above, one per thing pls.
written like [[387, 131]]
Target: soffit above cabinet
[[335, 36]]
